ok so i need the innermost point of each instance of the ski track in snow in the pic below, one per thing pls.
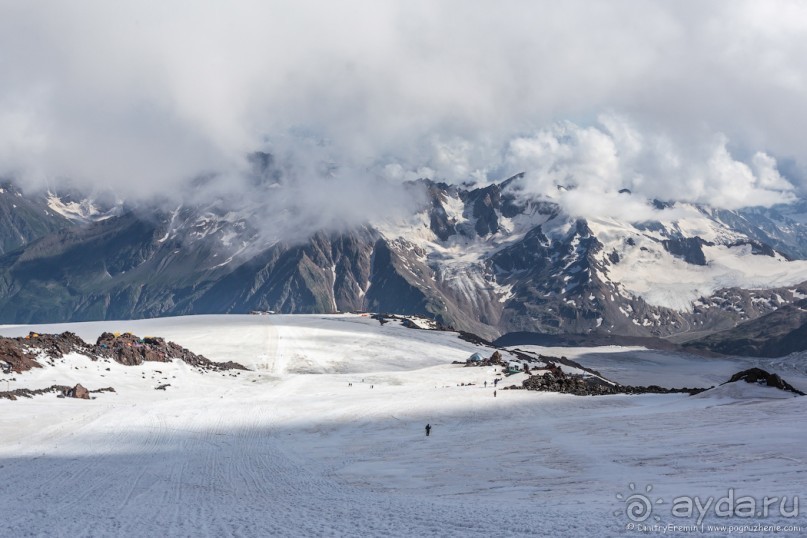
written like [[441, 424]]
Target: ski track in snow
[[274, 452]]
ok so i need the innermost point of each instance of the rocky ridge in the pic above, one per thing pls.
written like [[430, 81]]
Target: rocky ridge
[[23, 353]]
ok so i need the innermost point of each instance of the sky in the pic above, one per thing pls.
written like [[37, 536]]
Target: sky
[[687, 100]]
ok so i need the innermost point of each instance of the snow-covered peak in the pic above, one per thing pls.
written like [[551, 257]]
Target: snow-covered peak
[[674, 262], [85, 210]]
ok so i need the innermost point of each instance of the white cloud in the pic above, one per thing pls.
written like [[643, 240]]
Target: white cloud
[[142, 96], [584, 168]]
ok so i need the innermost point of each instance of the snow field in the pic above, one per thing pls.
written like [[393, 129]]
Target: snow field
[[290, 449]]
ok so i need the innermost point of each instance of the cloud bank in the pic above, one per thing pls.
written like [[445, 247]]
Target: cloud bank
[[587, 168], [684, 100]]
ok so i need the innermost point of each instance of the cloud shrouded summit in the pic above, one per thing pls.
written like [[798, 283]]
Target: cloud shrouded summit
[[684, 100]]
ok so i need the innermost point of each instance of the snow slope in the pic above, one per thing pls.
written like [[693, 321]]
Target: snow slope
[[647, 270], [291, 449]]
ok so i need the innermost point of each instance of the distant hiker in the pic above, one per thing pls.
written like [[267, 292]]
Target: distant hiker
[[486, 384], [428, 429], [494, 393]]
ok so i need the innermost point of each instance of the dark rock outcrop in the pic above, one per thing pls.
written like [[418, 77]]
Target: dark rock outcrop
[[131, 350], [15, 358], [439, 221], [688, 248], [63, 391], [757, 248], [58, 345], [30, 393], [557, 381], [79, 391], [761, 377]]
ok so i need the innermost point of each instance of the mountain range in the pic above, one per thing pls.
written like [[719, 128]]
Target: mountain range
[[486, 259]]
